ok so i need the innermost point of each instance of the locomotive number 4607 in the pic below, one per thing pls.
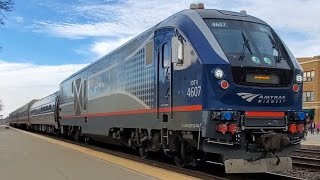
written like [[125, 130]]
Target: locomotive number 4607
[[194, 90]]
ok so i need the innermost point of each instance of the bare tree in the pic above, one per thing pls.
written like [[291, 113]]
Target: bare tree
[[5, 5]]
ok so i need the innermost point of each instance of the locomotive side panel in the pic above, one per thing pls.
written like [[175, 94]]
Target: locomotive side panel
[[119, 84]]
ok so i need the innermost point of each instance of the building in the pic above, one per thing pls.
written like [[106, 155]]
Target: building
[[311, 86]]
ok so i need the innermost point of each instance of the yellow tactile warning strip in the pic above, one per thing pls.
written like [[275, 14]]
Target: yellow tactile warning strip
[[125, 163]]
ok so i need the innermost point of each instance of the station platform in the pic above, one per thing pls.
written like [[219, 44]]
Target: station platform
[[312, 139], [28, 156]]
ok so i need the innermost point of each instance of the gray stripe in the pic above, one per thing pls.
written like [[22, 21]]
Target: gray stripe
[[196, 18]]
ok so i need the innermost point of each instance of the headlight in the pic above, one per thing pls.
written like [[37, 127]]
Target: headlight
[[299, 78], [218, 73]]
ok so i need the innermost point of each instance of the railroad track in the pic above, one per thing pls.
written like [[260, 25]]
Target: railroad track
[[308, 158], [206, 171]]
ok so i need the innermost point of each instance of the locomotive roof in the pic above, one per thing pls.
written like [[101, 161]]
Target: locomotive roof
[[204, 13], [223, 14]]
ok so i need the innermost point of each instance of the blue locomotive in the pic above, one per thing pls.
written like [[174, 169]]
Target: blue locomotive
[[201, 85]]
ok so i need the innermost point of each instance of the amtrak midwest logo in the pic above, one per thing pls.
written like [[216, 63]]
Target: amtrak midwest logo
[[249, 97]]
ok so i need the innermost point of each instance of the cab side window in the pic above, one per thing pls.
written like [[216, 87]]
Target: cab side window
[[166, 55]]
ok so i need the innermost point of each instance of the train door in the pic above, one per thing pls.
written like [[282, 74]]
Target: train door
[[164, 73], [57, 113], [84, 107], [78, 96], [163, 43], [80, 104], [80, 91]]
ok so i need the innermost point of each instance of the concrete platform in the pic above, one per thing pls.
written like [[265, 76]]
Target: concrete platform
[[312, 139], [28, 157]]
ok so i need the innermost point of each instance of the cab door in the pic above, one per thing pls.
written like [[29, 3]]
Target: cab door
[[164, 73]]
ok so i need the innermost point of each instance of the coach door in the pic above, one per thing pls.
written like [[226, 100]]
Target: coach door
[[80, 96], [164, 74]]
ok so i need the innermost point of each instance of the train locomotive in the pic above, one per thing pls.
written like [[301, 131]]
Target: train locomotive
[[201, 85]]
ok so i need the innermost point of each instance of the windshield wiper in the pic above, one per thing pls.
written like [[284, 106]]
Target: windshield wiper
[[244, 47], [277, 48]]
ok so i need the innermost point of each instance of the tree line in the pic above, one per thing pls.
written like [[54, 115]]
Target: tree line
[[5, 6]]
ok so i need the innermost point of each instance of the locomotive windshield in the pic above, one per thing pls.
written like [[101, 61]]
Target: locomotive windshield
[[248, 44]]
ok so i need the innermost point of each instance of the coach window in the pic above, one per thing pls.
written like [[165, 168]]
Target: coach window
[[166, 55]]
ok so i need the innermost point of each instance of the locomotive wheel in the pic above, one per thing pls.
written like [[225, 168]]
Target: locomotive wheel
[[143, 153], [180, 162]]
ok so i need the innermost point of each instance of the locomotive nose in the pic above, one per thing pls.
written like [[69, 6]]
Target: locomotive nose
[[273, 141]]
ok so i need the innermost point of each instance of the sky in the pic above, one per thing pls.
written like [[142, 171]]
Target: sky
[[45, 41]]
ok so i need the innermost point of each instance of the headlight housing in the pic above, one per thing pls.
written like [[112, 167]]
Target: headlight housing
[[299, 78], [218, 73]]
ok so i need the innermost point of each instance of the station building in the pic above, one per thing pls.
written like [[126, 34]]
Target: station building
[[311, 86]]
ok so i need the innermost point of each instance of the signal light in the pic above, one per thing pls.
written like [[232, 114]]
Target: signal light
[[223, 128], [301, 128], [295, 87], [299, 78], [293, 128], [218, 73], [224, 84], [232, 128]]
